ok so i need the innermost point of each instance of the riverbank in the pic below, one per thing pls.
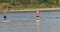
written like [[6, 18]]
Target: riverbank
[[39, 9]]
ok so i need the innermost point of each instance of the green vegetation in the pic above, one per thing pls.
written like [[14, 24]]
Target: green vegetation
[[22, 4]]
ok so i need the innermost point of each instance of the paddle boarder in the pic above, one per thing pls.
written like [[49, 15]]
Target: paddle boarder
[[37, 15], [5, 16]]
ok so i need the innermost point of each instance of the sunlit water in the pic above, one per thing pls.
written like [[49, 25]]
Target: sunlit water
[[26, 22]]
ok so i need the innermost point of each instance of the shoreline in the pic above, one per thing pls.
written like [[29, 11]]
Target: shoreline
[[39, 9]]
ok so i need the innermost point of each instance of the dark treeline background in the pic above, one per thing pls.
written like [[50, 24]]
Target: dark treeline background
[[32, 3]]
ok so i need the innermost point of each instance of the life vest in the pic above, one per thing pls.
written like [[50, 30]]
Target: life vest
[[37, 13]]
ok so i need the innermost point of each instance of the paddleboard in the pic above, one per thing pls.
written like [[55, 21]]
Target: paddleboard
[[6, 21]]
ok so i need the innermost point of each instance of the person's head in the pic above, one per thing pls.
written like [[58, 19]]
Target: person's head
[[37, 11]]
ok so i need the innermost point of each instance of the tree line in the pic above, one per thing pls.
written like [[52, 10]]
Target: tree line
[[31, 3]]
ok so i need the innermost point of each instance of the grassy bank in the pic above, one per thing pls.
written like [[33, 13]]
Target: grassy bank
[[26, 6], [34, 9], [29, 7]]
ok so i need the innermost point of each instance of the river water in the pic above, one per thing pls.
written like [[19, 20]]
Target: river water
[[26, 22]]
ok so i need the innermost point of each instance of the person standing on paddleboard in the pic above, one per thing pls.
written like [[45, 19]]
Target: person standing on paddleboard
[[5, 10], [37, 15]]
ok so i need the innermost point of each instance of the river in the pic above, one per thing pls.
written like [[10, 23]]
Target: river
[[26, 22]]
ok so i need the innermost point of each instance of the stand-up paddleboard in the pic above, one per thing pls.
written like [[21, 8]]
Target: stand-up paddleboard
[[5, 20], [37, 19], [37, 15]]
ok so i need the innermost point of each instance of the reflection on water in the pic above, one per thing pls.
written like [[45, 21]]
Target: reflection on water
[[25, 22]]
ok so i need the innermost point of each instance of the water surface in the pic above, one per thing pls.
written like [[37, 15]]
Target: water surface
[[25, 22]]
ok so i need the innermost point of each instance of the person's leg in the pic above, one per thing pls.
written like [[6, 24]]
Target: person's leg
[[5, 19], [37, 17]]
